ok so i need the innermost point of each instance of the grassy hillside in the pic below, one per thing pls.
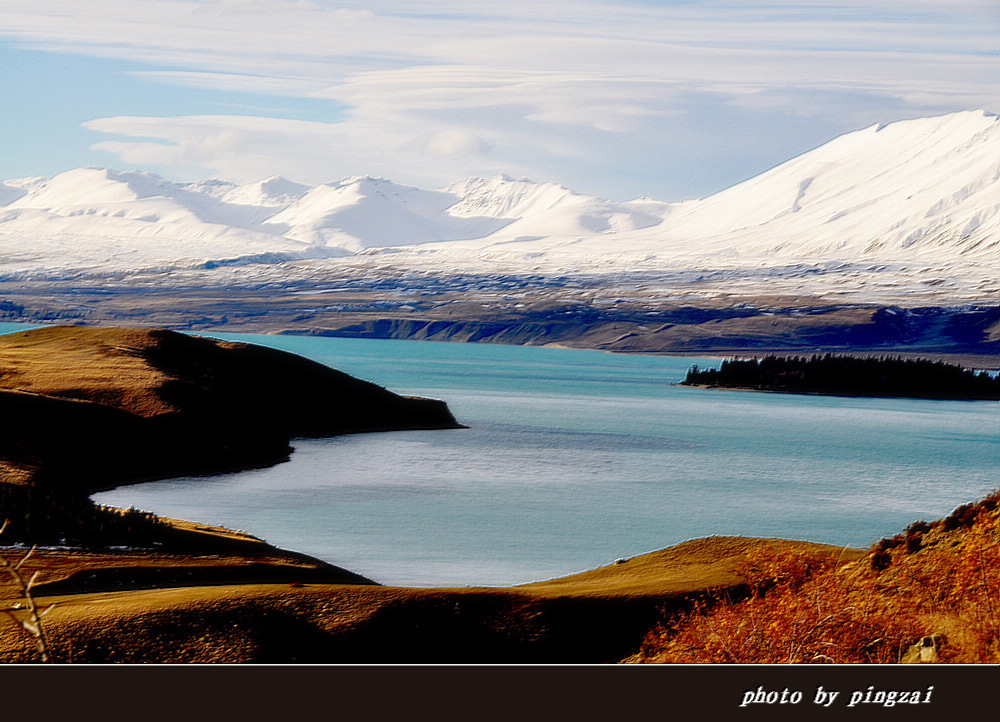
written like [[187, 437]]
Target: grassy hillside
[[83, 409], [929, 594], [151, 606]]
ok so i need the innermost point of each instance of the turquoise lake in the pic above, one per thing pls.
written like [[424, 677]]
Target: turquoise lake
[[576, 458]]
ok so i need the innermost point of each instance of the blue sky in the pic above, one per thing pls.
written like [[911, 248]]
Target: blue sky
[[669, 100]]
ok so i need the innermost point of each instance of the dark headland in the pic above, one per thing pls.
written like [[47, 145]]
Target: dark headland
[[90, 408]]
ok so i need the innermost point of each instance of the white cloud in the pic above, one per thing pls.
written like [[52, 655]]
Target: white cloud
[[276, 85], [446, 87], [245, 148], [455, 143]]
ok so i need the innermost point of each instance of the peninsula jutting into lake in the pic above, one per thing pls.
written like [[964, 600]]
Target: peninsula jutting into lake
[[850, 376]]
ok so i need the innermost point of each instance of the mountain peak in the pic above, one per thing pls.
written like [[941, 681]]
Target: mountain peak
[[364, 180], [270, 192]]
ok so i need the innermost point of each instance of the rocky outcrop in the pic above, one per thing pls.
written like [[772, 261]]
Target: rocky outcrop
[[925, 651]]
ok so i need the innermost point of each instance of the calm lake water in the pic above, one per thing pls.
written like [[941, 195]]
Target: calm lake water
[[575, 458]]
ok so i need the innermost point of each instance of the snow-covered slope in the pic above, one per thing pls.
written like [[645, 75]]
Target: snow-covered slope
[[99, 220], [915, 194], [925, 187], [548, 210], [361, 213]]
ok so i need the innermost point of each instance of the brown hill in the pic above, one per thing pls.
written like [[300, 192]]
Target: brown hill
[[88, 408], [928, 594], [149, 607]]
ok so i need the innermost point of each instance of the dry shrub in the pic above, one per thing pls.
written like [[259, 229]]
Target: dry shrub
[[942, 578], [799, 610], [974, 591]]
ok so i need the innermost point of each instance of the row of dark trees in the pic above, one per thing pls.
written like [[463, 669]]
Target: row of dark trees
[[851, 376], [37, 515]]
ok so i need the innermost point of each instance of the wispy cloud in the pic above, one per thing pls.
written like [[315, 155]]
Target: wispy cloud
[[587, 93]]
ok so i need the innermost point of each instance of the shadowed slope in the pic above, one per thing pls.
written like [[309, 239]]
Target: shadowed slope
[[89, 408]]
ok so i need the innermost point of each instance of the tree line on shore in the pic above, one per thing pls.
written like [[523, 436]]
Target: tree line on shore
[[852, 376], [38, 515]]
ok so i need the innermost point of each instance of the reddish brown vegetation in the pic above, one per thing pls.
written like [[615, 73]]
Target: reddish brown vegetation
[[933, 579]]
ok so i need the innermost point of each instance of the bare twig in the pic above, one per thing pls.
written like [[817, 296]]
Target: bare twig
[[33, 623]]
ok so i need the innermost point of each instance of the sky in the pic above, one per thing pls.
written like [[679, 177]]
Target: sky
[[668, 99]]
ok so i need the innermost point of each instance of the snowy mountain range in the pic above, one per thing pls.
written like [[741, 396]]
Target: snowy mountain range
[[914, 194]]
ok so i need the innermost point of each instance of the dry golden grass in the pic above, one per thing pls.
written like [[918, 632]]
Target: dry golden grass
[[595, 616], [104, 365], [934, 579], [692, 567]]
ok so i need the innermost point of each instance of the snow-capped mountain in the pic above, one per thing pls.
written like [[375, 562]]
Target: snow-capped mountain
[[921, 193], [918, 187], [537, 210], [362, 213]]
